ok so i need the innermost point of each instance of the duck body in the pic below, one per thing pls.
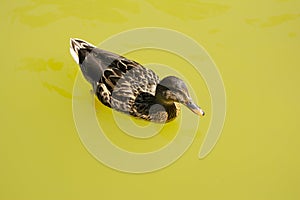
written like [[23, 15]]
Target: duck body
[[128, 87]]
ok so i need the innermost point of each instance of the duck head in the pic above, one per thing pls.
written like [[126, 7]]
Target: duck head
[[172, 89]]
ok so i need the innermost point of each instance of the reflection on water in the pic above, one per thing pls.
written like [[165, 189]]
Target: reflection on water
[[37, 15], [292, 34], [214, 31], [51, 73], [191, 9], [58, 90], [272, 21], [113, 126], [40, 65], [41, 13]]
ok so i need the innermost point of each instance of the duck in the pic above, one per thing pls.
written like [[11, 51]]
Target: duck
[[128, 87]]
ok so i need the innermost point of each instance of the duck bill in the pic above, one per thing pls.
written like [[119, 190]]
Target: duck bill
[[194, 108]]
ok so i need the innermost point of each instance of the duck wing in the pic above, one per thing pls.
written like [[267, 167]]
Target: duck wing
[[111, 74], [122, 80], [135, 81]]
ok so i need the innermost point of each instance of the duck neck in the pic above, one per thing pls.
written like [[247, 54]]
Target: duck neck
[[172, 111], [171, 108]]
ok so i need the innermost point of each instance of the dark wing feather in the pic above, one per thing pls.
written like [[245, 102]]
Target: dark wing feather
[[142, 105], [122, 80], [103, 94], [135, 81]]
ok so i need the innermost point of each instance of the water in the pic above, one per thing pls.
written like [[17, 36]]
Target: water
[[255, 46]]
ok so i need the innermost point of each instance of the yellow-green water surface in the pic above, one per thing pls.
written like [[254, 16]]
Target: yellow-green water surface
[[255, 45]]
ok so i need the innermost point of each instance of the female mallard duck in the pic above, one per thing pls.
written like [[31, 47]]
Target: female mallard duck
[[127, 86]]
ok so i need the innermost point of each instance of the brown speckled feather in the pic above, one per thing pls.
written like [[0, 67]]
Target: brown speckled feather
[[122, 81]]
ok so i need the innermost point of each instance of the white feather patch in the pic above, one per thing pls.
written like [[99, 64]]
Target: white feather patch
[[74, 55]]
